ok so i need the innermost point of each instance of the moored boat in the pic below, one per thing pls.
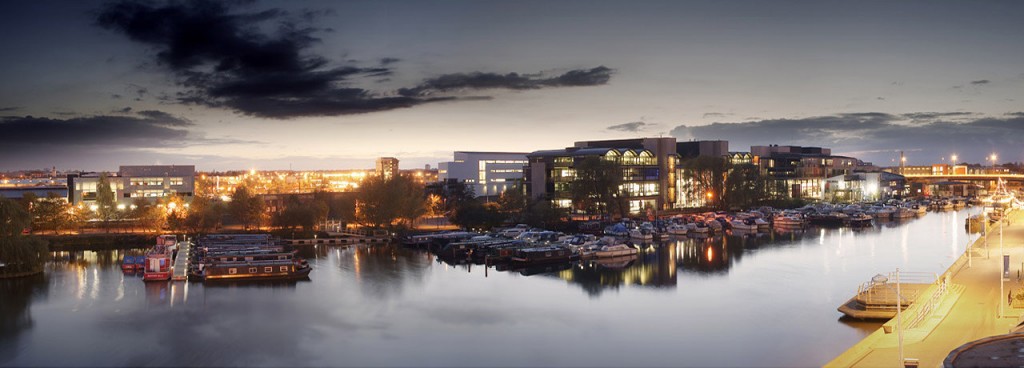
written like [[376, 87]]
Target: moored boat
[[159, 261], [542, 255]]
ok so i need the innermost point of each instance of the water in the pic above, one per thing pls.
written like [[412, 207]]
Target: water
[[738, 301]]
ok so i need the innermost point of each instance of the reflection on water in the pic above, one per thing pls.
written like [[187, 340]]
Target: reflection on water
[[15, 314], [774, 294]]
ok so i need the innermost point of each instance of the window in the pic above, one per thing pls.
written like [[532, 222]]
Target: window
[[252, 269], [284, 268], [268, 269], [232, 271]]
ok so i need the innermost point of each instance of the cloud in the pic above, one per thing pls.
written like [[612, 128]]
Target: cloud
[[11, 108], [628, 127], [980, 82], [932, 135], [477, 80], [148, 128], [123, 111], [716, 115], [232, 60]]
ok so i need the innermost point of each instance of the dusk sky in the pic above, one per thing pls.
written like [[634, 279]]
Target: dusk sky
[[332, 84]]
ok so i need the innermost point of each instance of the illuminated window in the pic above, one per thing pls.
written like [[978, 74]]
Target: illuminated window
[[252, 269], [232, 271], [268, 269]]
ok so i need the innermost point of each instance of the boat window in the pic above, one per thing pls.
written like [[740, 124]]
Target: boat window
[[252, 269], [268, 269], [284, 268], [232, 271], [547, 254]]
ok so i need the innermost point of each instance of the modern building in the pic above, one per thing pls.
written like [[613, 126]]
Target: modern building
[[861, 186], [647, 164], [487, 173], [800, 172], [691, 149], [666, 154], [131, 182], [158, 181], [387, 167]]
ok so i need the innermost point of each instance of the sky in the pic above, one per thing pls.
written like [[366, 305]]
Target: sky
[[330, 84]]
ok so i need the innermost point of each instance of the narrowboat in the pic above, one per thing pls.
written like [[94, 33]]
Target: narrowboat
[[542, 255]]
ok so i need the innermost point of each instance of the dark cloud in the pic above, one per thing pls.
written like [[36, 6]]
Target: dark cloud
[[115, 96], [124, 110], [936, 115], [1017, 114], [228, 59], [11, 108], [628, 127], [980, 82], [931, 135], [462, 81], [148, 128]]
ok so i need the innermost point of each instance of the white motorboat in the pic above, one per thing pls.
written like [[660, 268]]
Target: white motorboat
[[640, 234], [677, 229]]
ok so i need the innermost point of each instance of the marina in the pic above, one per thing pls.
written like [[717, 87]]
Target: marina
[[687, 287]]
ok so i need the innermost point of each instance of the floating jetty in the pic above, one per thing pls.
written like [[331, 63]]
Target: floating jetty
[[877, 299], [181, 262]]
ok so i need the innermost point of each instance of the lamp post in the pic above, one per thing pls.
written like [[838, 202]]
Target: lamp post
[[899, 315], [1001, 265]]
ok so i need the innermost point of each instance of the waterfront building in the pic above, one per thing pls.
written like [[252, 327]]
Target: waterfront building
[[666, 154], [688, 193], [387, 167], [487, 173], [863, 186], [82, 187], [645, 185], [800, 172], [158, 181], [130, 182]]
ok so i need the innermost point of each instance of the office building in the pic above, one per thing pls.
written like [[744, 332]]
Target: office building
[[487, 173]]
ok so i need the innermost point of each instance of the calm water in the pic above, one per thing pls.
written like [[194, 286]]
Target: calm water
[[738, 301]]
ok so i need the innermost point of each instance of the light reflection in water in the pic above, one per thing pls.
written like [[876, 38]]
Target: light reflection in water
[[361, 300]]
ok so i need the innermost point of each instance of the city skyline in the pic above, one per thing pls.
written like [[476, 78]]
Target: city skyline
[[272, 85]]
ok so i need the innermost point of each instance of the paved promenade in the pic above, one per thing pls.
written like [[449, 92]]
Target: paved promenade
[[967, 313]]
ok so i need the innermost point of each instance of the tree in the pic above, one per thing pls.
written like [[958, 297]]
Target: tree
[[596, 186], [744, 187], [204, 215], [382, 201], [476, 215], [513, 201], [105, 203], [51, 213], [246, 207], [452, 194], [704, 180], [19, 254], [14, 219], [540, 213], [148, 216]]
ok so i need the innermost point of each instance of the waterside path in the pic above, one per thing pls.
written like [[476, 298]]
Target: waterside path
[[968, 310]]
